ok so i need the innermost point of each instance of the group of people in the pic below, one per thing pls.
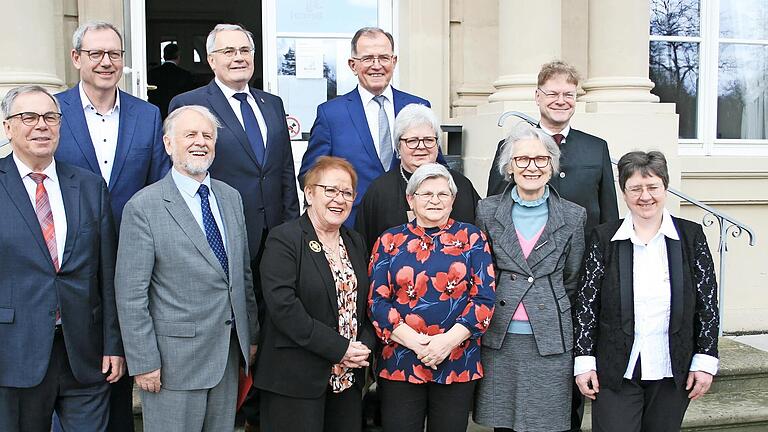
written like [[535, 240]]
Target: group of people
[[176, 251]]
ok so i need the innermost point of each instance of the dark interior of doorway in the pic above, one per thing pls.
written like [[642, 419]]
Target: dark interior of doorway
[[188, 22]]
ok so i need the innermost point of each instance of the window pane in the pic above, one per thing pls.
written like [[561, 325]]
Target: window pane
[[744, 19], [742, 92], [674, 67], [330, 16], [675, 17]]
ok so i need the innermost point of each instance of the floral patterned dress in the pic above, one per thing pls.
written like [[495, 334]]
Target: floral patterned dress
[[431, 280]]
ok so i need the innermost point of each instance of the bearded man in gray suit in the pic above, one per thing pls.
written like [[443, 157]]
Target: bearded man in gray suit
[[184, 287]]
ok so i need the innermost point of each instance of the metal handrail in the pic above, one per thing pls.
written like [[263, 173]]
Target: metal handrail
[[729, 226]]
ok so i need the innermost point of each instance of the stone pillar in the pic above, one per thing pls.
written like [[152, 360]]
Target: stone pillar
[[529, 36], [618, 52], [28, 42]]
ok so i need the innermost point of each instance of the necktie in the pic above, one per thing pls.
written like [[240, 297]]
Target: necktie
[[558, 138], [45, 217], [385, 138], [212, 230], [252, 129]]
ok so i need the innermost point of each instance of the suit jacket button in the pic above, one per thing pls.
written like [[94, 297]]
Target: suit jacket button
[[228, 322], [541, 306], [530, 279], [513, 277], [502, 302], [562, 175]]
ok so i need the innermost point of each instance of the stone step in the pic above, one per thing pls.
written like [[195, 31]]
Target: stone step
[[742, 367]]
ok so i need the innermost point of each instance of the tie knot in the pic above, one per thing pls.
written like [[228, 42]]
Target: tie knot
[[242, 97], [203, 191], [380, 99], [37, 177], [558, 138]]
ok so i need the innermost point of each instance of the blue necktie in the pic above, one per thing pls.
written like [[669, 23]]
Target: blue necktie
[[385, 138], [252, 129], [212, 230]]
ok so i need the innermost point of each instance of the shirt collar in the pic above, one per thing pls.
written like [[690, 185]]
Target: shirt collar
[[563, 132], [87, 105], [24, 170], [367, 96], [229, 92], [627, 231], [188, 185]]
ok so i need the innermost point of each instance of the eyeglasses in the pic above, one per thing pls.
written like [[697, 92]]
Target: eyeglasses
[[368, 60], [98, 55], [31, 118], [413, 142], [525, 161], [428, 196], [231, 51], [654, 190], [569, 96], [333, 192]]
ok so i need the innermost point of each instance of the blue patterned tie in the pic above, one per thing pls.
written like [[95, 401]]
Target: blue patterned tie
[[385, 138], [212, 230], [252, 128]]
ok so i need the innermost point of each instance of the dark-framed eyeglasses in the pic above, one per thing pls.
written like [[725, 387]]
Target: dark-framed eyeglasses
[[429, 196], [333, 192], [654, 190], [413, 142], [525, 161], [232, 51], [368, 60], [569, 96], [98, 55], [31, 118]]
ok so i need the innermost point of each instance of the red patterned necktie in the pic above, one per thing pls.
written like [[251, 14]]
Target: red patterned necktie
[[558, 138], [45, 217]]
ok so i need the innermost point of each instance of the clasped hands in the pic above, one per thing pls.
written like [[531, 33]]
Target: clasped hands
[[356, 356], [430, 349]]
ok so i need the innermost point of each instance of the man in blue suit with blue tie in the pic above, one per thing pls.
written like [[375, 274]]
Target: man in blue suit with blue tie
[[115, 135], [358, 125]]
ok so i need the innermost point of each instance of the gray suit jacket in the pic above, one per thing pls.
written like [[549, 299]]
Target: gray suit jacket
[[545, 282], [174, 300]]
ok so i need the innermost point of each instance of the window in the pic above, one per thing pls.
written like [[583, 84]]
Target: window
[[710, 57]]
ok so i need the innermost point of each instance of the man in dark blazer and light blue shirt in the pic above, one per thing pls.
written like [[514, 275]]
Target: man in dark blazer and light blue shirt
[[358, 125], [58, 323], [184, 288]]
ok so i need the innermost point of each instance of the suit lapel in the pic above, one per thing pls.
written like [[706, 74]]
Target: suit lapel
[[675, 262], [125, 132], [625, 286], [508, 241], [223, 111], [10, 179], [181, 213], [70, 194], [547, 243], [357, 115], [321, 264], [74, 118]]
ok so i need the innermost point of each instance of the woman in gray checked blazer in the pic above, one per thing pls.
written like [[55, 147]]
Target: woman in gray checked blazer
[[538, 242]]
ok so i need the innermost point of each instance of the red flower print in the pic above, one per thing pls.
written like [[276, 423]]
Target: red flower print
[[384, 291], [374, 258], [491, 271], [392, 242], [409, 292], [388, 350], [483, 314], [453, 377], [421, 247], [382, 334], [480, 368], [455, 244], [420, 375], [417, 323], [458, 352], [397, 375], [394, 317], [474, 283], [451, 285]]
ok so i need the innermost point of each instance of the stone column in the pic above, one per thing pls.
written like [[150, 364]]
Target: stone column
[[27, 40], [618, 52], [529, 36]]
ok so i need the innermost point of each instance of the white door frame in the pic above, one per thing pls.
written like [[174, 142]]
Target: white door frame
[[135, 73]]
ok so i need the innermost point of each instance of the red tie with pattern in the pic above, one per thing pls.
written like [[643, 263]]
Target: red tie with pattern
[[45, 217], [558, 138]]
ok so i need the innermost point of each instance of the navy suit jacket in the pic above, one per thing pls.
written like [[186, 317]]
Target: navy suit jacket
[[30, 287], [269, 191], [341, 129], [140, 158]]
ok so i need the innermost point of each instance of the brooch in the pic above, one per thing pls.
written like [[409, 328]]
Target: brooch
[[315, 246]]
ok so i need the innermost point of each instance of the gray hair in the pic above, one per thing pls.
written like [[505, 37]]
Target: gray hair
[[210, 41], [647, 164], [7, 103], [170, 123], [429, 171], [524, 131], [415, 115], [370, 31], [77, 37]]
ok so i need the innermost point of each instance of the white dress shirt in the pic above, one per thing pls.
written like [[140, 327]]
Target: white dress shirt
[[372, 115], [563, 132], [652, 305], [104, 130], [235, 104], [188, 188], [52, 186]]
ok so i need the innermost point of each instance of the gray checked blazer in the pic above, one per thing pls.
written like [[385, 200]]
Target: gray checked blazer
[[545, 282], [175, 303]]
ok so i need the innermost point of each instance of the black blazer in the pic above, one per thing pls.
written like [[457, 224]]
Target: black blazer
[[300, 341], [604, 310], [588, 180]]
